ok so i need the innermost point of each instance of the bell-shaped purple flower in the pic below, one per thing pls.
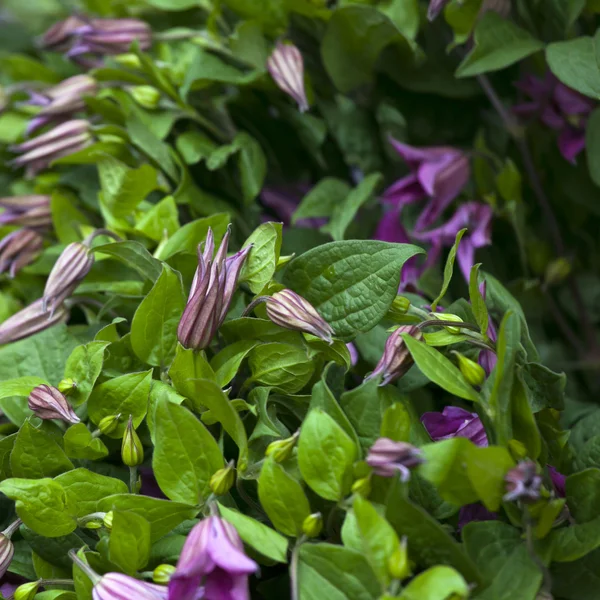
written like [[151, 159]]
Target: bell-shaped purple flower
[[212, 290], [18, 249], [30, 320], [387, 458], [435, 8], [286, 67], [212, 556], [48, 403], [37, 153], [523, 483], [437, 173], [477, 218], [26, 211], [452, 422], [291, 311]]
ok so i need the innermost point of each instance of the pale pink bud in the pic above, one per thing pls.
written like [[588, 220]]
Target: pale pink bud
[[48, 403], [286, 67]]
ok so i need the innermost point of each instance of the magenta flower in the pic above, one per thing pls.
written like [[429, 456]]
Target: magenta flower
[[558, 482], [213, 555], [477, 218], [387, 457], [437, 173], [558, 107], [452, 422]]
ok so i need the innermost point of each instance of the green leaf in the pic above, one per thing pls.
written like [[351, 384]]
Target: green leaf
[[181, 470], [160, 391], [396, 423], [134, 255], [335, 573], [592, 145], [282, 365], [84, 366], [80, 444], [322, 199], [325, 456], [226, 363], [21, 386], [583, 494], [437, 583], [36, 454], [477, 302], [486, 469], [263, 539], [129, 545], [351, 283], [154, 325], [162, 219], [125, 395], [187, 368], [499, 43], [261, 263], [194, 146], [6, 446], [42, 504], [448, 269], [282, 498], [439, 369], [577, 580], [67, 220], [574, 542], [524, 426]]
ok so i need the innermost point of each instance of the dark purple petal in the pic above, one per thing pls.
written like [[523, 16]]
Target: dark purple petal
[[558, 481], [474, 512]]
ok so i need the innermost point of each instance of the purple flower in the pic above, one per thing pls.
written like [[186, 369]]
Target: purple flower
[[48, 403], [387, 458], [26, 211], [287, 70], [558, 482], [523, 483], [213, 555], [32, 319], [7, 549], [474, 512], [116, 586], [558, 107], [18, 249], [477, 219], [353, 353], [455, 422], [437, 173], [211, 293], [60, 34]]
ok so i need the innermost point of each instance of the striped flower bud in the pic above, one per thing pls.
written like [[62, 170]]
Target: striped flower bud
[[29, 321], [162, 574], [7, 549], [291, 311], [70, 268], [287, 70], [312, 525], [211, 293], [18, 249], [116, 586], [58, 37], [222, 481], [48, 403], [396, 359], [523, 483], [281, 450], [387, 458], [132, 451], [26, 211], [109, 424]]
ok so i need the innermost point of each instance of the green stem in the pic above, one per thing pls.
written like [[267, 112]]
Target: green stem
[[295, 591], [45, 582], [133, 479], [546, 577]]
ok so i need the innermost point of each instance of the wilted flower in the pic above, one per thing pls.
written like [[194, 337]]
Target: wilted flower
[[523, 483], [558, 107], [477, 218], [213, 555], [437, 173], [18, 249], [32, 319], [452, 422], [64, 139], [132, 450], [291, 311], [287, 70], [61, 101], [7, 549], [396, 359], [211, 293], [70, 268], [387, 457], [435, 8], [48, 403], [26, 211]]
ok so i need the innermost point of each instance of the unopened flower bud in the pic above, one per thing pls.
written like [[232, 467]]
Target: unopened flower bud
[[291, 311], [27, 591], [517, 449], [109, 424], [145, 95], [30, 320], [128, 60], [108, 519], [523, 483], [558, 270], [387, 458], [48, 403], [18, 249], [472, 371], [362, 487], [399, 307], [286, 67], [132, 451], [96, 524], [7, 549], [162, 574], [398, 563], [312, 525], [448, 317], [396, 359], [435, 8], [281, 450], [26, 211], [222, 481], [66, 386]]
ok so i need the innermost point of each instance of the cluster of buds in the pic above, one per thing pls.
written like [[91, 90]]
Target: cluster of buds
[[86, 40], [19, 249], [212, 290], [48, 403], [387, 458], [60, 102], [523, 483], [396, 359], [7, 549], [286, 67]]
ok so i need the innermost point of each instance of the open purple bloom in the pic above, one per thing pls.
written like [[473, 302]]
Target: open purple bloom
[[523, 483], [213, 555], [437, 173], [477, 218], [452, 422], [558, 107], [474, 512], [387, 457]]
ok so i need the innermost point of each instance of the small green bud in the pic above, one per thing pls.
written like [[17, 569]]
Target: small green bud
[[109, 424], [222, 481], [313, 525], [67, 385], [132, 451], [27, 591], [93, 524], [362, 487], [162, 574], [517, 449], [557, 271], [108, 519], [128, 60], [473, 372], [448, 317], [398, 564], [282, 449], [361, 469], [399, 307], [145, 95]]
